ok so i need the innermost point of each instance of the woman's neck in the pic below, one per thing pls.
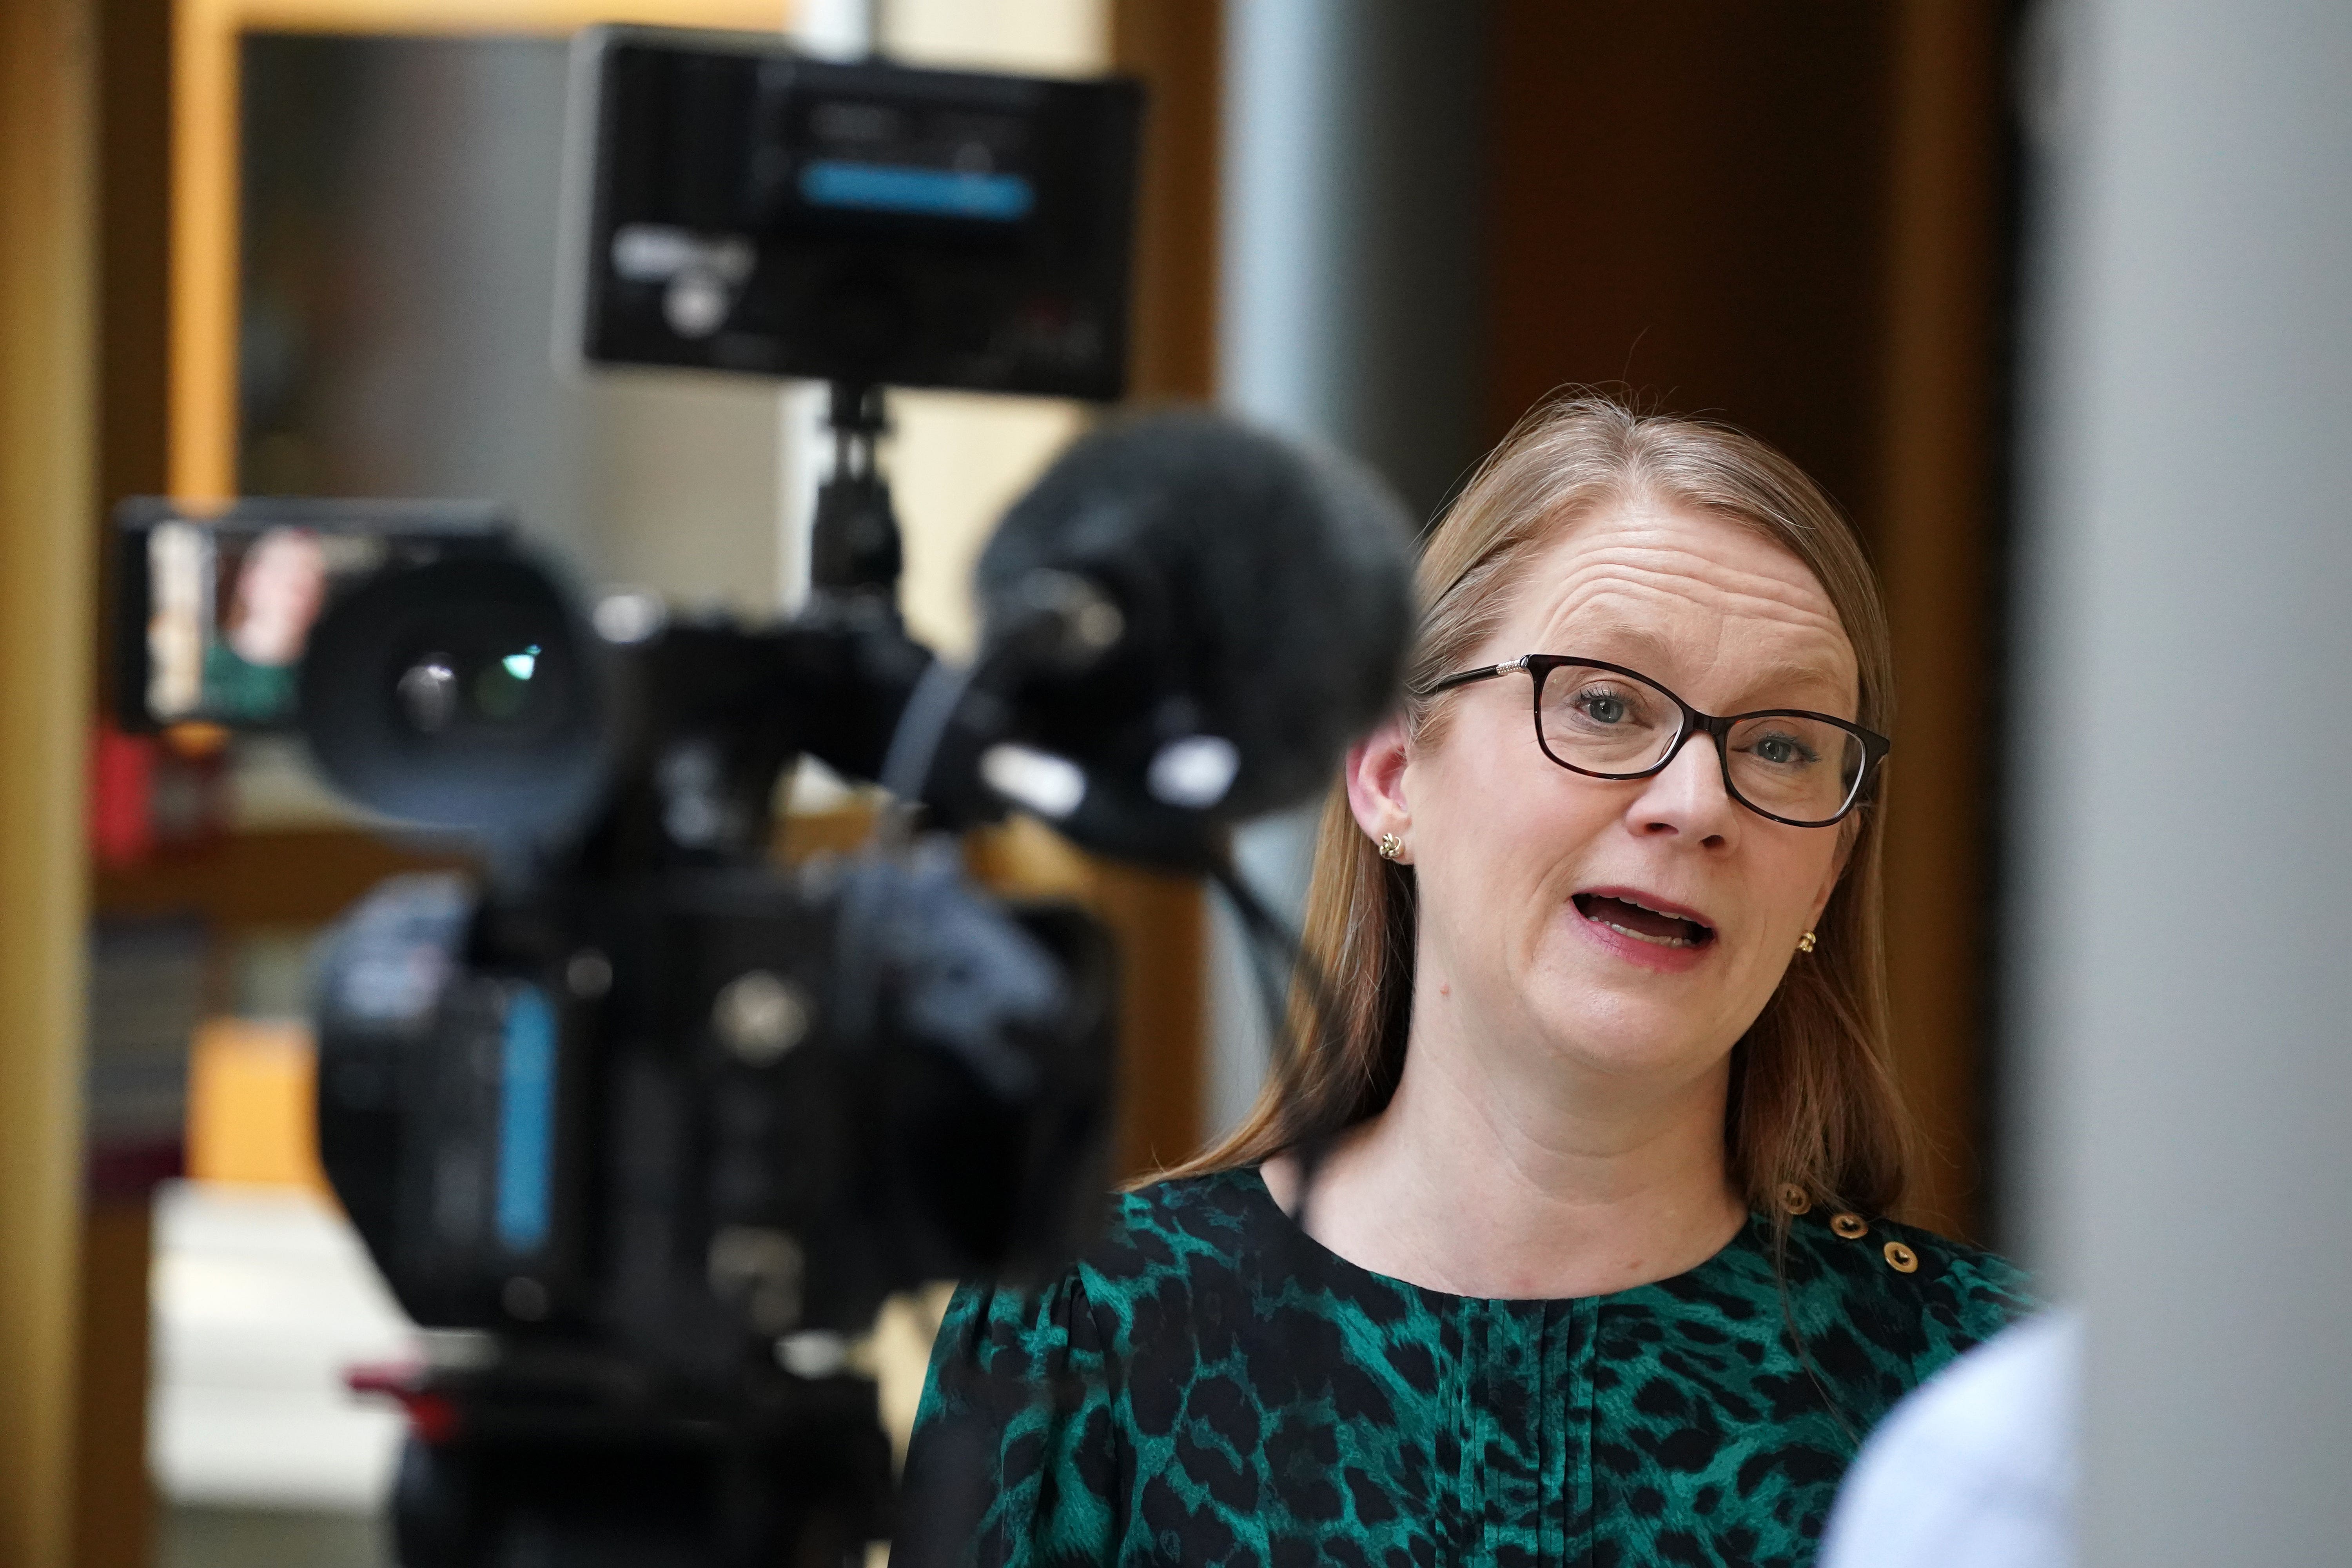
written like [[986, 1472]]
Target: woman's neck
[[1475, 1184]]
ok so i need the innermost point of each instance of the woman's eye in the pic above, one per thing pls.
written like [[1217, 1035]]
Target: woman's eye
[[1782, 751], [1608, 709]]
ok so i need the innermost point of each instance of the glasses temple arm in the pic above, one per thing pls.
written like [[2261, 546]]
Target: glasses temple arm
[[1464, 678]]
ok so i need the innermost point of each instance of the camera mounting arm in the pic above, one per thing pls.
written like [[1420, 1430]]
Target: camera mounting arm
[[853, 547]]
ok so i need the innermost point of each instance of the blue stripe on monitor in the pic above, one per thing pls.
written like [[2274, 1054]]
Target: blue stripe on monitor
[[526, 1120], [927, 192]]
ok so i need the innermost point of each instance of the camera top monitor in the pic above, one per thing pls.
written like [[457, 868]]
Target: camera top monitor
[[752, 209]]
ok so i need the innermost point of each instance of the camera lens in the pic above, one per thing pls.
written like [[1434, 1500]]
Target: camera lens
[[462, 692]]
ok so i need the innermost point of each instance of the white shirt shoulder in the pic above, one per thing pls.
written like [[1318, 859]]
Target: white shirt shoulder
[[1976, 1468]]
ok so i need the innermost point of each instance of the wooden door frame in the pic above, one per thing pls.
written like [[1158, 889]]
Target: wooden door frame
[[48, 189], [1939, 447]]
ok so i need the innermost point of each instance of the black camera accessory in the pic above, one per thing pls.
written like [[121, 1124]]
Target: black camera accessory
[[749, 208]]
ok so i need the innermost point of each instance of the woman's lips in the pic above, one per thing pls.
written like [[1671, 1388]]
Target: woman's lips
[[1645, 931]]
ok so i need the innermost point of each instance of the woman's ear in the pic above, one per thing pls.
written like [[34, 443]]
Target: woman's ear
[[1375, 777]]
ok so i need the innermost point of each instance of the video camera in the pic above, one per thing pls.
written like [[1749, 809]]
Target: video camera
[[642, 1124]]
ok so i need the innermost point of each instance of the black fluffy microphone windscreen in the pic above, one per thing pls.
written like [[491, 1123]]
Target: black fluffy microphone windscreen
[[1186, 620]]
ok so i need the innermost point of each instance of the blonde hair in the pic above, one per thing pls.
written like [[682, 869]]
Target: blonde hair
[[1812, 1103]]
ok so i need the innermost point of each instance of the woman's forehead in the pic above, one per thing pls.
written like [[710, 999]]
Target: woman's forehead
[[1696, 593]]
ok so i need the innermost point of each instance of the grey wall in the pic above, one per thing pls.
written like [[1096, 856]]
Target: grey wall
[[400, 244], [2184, 847]]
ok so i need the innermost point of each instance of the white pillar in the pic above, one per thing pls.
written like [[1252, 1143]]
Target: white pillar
[[2184, 713], [1349, 229], [1347, 310]]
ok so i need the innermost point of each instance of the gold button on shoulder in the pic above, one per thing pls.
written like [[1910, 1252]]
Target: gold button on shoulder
[[1901, 1258], [1795, 1199], [1851, 1227]]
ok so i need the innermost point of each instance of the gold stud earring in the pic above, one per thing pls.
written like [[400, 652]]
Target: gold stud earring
[[1392, 846], [1805, 943]]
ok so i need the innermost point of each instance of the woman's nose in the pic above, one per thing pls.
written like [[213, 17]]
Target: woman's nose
[[1687, 797]]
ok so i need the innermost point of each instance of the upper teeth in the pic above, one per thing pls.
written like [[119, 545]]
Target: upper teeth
[[1640, 905], [1646, 936], [1677, 941]]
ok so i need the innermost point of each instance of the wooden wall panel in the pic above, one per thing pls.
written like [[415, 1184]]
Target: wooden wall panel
[[1940, 436], [1175, 47], [286, 877], [113, 1506], [49, 195], [1690, 199], [113, 1500], [1792, 218]]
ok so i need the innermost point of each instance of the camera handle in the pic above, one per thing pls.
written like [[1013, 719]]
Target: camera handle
[[853, 546]]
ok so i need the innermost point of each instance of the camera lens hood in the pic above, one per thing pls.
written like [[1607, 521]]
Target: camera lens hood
[[466, 693]]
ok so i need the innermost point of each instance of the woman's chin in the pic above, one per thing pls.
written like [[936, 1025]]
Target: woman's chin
[[1622, 1018]]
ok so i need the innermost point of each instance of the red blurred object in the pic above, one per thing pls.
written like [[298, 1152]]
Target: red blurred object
[[113, 1172], [150, 792], [122, 796], [432, 1416]]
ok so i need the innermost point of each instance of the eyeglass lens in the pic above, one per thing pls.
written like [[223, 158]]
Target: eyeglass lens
[[1599, 722]]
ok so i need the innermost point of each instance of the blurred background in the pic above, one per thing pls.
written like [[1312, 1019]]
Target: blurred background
[[2052, 297]]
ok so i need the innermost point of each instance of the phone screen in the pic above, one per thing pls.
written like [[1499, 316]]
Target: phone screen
[[217, 606]]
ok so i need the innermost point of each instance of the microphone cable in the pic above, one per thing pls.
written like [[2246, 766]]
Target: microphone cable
[[1280, 961]]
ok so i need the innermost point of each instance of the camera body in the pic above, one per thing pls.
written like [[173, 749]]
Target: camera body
[[644, 1122], [694, 1114]]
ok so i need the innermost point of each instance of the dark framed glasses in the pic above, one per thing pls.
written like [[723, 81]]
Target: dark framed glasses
[[1605, 722]]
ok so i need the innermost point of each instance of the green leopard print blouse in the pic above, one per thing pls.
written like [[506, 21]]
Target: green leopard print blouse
[[1212, 1386]]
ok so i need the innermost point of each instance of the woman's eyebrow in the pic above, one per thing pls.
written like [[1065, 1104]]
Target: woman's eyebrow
[[1596, 638], [1650, 653], [1779, 674]]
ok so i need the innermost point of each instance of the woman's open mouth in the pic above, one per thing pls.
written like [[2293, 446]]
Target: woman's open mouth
[[1621, 913]]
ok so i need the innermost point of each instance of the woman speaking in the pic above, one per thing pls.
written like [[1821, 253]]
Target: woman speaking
[[1561, 1238]]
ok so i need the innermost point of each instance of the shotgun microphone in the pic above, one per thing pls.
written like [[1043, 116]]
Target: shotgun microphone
[[1185, 621]]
